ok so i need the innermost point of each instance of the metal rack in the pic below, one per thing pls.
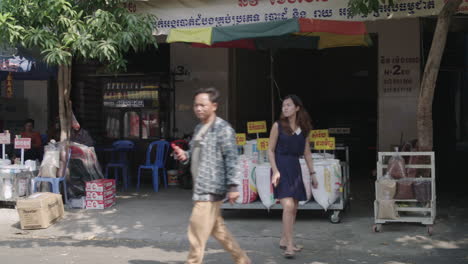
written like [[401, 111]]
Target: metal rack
[[423, 213], [336, 208]]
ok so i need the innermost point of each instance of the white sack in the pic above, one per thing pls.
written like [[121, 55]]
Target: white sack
[[328, 174]]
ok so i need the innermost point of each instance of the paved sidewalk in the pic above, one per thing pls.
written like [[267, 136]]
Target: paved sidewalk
[[150, 228]]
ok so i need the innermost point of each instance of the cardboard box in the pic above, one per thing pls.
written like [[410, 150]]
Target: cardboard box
[[102, 204], [40, 210], [95, 196], [100, 185], [78, 203]]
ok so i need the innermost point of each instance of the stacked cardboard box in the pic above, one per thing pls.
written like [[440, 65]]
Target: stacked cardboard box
[[100, 194]]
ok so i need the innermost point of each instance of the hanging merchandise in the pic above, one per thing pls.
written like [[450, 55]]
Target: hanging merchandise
[[126, 125], [9, 85], [247, 189], [396, 166], [264, 186], [134, 124], [144, 126], [328, 174]]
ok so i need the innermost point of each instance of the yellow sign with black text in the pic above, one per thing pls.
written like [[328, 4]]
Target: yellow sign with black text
[[241, 139], [256, 127], [324, 143], [262, 144], [318, 133]]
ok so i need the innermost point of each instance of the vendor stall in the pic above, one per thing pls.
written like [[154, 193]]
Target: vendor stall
[[15, 182], [325, 163]]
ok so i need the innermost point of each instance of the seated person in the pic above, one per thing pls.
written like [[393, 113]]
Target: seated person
[[36, 142]]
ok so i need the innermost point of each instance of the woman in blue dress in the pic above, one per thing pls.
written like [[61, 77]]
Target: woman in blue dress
[[288, 142]]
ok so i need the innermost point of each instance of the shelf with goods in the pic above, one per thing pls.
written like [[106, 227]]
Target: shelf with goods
[[409, 209], [138, 107]]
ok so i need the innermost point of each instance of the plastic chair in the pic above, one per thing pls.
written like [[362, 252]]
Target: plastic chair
[[162, 148], [55, 182], [44, 139], [119, 160]]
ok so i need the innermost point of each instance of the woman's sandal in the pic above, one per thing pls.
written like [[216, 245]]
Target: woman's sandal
[[289, 254], [299, 248]]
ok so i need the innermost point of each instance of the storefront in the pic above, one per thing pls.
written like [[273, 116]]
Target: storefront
[[25, 89]]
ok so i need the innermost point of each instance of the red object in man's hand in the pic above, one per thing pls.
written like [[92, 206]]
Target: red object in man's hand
[[179, 153]]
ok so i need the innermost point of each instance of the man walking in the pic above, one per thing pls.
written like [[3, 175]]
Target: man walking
[[213, 156]]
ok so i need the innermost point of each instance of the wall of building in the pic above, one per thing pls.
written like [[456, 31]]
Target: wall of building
[[398, 79], [36, 95], [197, 67]]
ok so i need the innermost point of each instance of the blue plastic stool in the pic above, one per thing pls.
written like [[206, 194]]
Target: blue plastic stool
[[55, 182], [162, 148], [119, 160]]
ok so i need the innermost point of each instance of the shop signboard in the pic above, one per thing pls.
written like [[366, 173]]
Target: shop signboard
[[400, 75], [220, 13], [241, 139], [262, 144], [256, 127], [324, 143]]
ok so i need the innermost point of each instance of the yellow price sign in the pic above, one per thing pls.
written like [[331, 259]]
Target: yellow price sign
[[256, 127], [324, 143], [262, 144], [241, 139], [318, 133]]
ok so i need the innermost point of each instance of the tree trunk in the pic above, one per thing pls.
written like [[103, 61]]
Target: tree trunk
[[65, 109], [429, 79]]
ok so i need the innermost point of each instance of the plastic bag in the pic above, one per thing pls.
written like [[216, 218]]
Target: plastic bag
[[82, 167], [306, 179], [422, 191], [387, 209], [396, 166], [264, 186], [51, 161], [247, 189], [404, 190], [385, 188]]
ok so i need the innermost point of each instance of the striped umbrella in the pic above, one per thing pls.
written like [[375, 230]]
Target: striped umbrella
[[291, 33]]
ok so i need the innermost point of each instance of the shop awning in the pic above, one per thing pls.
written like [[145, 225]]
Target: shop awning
[[291, 33]]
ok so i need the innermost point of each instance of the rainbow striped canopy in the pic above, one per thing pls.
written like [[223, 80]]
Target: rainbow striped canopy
[[291, 33]]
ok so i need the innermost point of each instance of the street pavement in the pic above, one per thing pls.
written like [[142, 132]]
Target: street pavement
[[150, 228]]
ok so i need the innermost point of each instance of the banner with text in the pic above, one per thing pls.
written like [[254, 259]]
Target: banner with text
[[215, 13]]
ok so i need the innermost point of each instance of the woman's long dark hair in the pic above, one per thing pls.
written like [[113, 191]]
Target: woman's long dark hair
[[302, 117]]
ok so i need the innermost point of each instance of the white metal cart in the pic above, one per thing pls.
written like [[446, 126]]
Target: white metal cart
[[335, 209], [416, 212]]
